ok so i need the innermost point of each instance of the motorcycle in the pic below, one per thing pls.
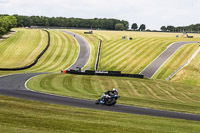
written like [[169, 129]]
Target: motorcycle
[[107, 100]]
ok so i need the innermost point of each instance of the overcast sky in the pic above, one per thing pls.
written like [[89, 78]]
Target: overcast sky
[[152, 13]]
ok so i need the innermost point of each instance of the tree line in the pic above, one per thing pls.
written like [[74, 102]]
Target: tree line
[[96, 23], [7, 23], [190, 28], [141, 28]]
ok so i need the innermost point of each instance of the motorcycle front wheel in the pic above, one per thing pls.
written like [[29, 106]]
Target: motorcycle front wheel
[[98, 101]]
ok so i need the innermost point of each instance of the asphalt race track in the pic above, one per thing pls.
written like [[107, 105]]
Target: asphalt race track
[[84, 52], [14, 85], [154, 66]]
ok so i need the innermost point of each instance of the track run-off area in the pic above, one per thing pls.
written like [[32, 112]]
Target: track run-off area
[[15, 85]]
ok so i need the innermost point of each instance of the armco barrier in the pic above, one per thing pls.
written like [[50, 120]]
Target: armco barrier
[[105, 73], [98, 56], [34, 62]]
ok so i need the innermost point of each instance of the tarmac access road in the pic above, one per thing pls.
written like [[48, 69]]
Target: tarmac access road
[[84, 51], [15, 86], [154, 66]]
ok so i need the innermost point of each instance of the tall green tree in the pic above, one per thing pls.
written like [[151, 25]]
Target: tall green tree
[[134, 26], [142, 27], [163, 28]]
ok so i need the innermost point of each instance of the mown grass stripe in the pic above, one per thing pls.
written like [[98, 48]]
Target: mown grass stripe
[[112, 52], [49, 55], [112, 44], [123, 56], [59, 55], [39, 48], [72, 52], [64, 46], [140, 56], [152, 93], [118, 44], [126, 50], [128, 92], [15, 49], [54, 55], [68, 82]]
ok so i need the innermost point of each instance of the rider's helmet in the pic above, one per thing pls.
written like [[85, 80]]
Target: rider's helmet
[[114, 89]]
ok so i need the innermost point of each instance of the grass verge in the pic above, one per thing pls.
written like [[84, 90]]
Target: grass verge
[[190, 74], [157, 94], [24, 116], [18, 50]]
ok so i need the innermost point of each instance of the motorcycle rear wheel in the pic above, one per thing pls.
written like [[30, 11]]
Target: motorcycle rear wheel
[[110, 101]]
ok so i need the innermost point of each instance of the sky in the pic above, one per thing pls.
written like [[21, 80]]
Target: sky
[[152, 13]]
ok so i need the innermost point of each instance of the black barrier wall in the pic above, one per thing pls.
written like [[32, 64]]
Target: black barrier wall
[[105, 73], [34, 62]]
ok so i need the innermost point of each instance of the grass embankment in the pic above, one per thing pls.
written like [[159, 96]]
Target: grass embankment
[[179, 58], [18, 50], [61, 54], [189, 74], [156, 94], [131, 56], [24, 116], [21, 48]]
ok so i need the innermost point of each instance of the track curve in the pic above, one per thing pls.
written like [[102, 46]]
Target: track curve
[[84, 51], [155, 65], [14, 85]]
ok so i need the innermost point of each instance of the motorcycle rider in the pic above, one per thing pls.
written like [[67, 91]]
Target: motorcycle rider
[[108, 94]]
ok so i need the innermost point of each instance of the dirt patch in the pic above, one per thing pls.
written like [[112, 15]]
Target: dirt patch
[[9, 34]]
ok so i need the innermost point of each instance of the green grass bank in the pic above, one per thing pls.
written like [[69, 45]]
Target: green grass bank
[[157, 94]]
